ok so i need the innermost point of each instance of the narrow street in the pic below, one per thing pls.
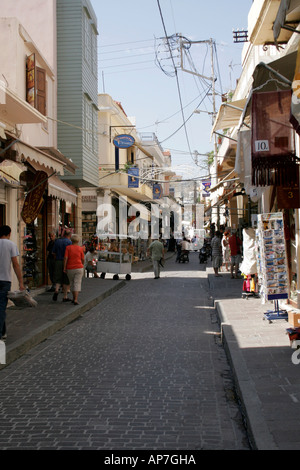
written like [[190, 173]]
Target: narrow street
[[143, 370]]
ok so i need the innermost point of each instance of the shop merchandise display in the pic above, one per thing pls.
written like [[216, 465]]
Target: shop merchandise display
[[248, 267], [30, 256], [115, 258], [272, 261]]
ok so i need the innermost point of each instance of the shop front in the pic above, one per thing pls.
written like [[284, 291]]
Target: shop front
[[46, 205], [274, 156]]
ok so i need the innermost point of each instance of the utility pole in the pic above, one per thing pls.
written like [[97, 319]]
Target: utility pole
[[183, 42], [215, 161]]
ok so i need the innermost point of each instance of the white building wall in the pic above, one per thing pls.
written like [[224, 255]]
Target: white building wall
[[39, 19]]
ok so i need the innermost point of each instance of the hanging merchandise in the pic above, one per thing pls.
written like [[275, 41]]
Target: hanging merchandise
[[30, 268], [249, 265], [273, 141], [272, 262]]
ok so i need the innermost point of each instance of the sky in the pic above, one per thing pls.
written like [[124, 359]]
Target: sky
[[136, 68]]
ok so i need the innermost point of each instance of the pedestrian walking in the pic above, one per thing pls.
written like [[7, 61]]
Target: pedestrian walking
[[156, 250], [216, 252], [51, 260], [60, 277], [73, 266], [8, 257], [178, 249], [226, 249], [235, 249]]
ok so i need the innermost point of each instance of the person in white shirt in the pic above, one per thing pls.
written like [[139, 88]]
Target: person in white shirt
[[8, 257], [90, 261]]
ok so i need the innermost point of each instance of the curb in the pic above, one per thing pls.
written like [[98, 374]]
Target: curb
[[258, 432]]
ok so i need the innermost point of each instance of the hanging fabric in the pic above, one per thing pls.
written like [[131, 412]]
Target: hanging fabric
[[273, 143], [295, 105]]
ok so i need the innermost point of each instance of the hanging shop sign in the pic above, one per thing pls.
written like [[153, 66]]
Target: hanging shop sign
[[206, 188], [133, 178], [34, 199], [123, 141], [157, 191], [288, 197], [273, 140]]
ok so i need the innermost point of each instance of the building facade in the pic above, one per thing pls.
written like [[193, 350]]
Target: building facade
[[254, 182], [36, 201]]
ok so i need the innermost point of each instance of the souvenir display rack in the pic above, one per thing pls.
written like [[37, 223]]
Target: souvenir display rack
[[272, 262], [116, 260]]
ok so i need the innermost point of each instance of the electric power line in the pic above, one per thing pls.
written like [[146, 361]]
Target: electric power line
[[176, 75]]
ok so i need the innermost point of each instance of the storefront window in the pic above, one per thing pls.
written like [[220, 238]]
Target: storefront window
[[66, 215], [89, 223]]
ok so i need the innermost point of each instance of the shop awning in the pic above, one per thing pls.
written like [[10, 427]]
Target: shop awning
[[229, 115], [274, 76], [53, 152], [231, 176], [56, 187], [10, 172], [34, 155], [287, 18], [60, 190]]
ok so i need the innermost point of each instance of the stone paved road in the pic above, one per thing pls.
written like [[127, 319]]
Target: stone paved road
[[142, 370]]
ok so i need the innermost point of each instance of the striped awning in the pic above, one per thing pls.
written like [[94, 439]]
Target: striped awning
[[10, 172]]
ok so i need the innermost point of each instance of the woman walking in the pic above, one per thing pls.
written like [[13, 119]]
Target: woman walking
[[73, 266], [226, 249], [216, 252]]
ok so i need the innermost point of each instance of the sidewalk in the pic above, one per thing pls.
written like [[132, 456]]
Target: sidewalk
[[260, 354], [267, 381]]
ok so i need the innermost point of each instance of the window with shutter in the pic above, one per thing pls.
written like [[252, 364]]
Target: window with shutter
[[41, 90]]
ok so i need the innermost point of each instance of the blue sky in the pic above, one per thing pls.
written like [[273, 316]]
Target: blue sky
[[129, 41]]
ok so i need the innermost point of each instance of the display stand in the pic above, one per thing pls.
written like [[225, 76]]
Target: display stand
[[115, 262], [276, 314], [272, 263]]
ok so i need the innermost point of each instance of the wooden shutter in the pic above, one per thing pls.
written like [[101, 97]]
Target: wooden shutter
[[41, 90]]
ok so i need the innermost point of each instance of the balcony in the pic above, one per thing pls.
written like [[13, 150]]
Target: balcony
[[119, 182], [15, 110]]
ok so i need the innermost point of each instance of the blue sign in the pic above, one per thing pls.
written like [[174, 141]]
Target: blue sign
[[206, 187], [123, 141], [157, 191], [133, 178]]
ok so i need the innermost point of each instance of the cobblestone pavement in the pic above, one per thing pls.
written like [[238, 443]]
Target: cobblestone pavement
[[144, 369]]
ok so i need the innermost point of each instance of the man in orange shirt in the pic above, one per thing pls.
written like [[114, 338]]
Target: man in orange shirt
[[60, 278]]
